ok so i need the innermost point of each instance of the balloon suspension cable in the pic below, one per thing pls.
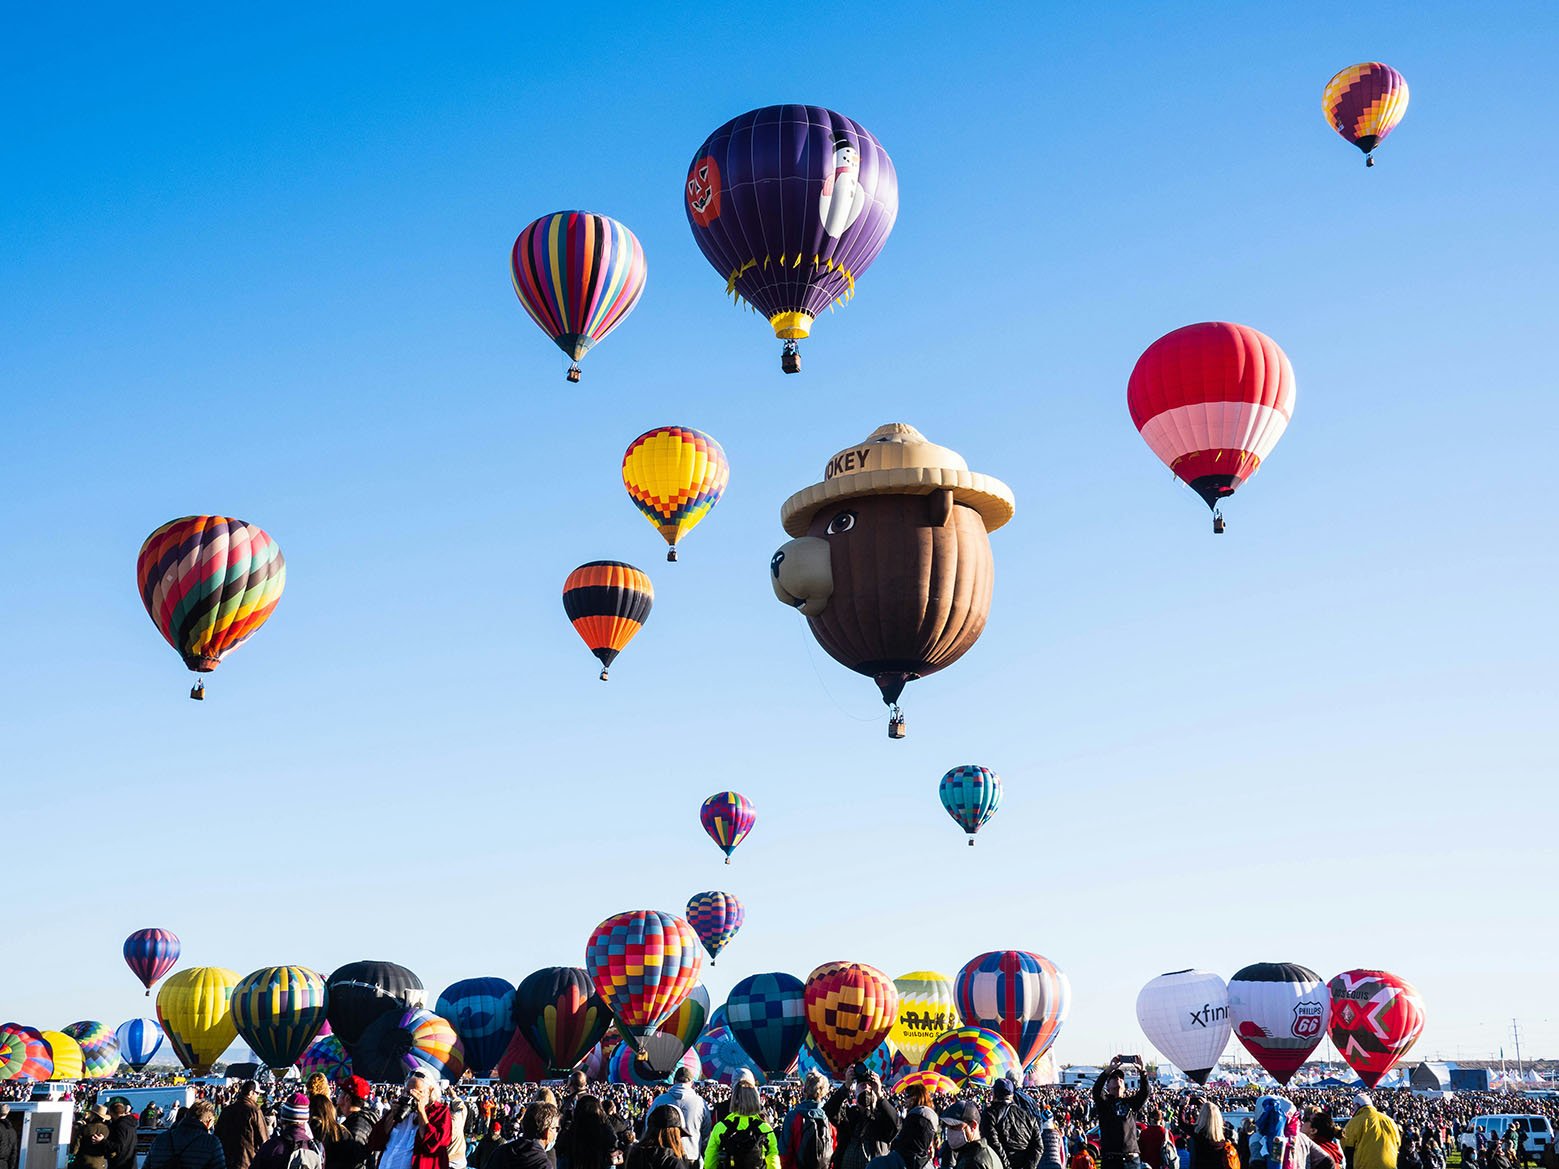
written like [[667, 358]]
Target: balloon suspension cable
[[790, 357], [671, 554], [897, 728], [573, 371], [1218, 524], [198, 693]]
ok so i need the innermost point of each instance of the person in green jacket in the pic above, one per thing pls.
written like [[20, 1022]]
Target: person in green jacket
[[743, 1140]]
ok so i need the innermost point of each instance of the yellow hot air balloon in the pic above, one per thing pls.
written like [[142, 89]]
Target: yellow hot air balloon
[[69, 1064], [674, 475], [927, 1008], [195, 1009]]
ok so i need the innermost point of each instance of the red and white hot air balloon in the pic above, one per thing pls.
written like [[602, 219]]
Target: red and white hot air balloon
[[1212, 400], [1376, 1018], [1279, 1012]]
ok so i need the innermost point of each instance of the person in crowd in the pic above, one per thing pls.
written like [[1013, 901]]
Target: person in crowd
[[352, 1097], [10, 1142], [242, 1128], [916, 1142], [1371, 1139], [743, 1140], [1118, 1114], [1011, 1131], [190, 1144], [122, 1127], [807, 1138], [662, 1145], [492, 1140], [1082, 1155], [695, 1113], [1209, 1141], [1052, 1154], [1322, 1129], [1155, 1145], [415, 1133], [961, 1125], [864, 1118], [590, 1141], [88, 1145], [342, 1151], [1242, 1143], [316, 1085], [459, 1118], [539, 1127], [293, 1144], [1497, 1155]]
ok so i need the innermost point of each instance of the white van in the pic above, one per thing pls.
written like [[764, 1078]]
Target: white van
[[1537, 1132]]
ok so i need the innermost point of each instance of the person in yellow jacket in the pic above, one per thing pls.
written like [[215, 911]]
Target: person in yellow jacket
[[1371, 1139], [743, 1140]]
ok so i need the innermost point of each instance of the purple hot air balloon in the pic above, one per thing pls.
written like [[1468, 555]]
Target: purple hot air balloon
[[791, 204], [151, 953], [715, 918]]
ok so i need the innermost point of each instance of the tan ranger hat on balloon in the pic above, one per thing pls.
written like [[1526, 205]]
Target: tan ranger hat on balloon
[[896, 459]]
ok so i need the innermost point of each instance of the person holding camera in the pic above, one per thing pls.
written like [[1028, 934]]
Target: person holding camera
[[864, 1117], [1119, 1115], [415, 1133]]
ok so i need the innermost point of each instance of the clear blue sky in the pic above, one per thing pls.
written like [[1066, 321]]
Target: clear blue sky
[[257, 265]]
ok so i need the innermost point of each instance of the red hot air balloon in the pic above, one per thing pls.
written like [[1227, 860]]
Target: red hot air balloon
[[851, 1008], [1212, 400], [1279, 1011], [1376, 1018], [151, 953]]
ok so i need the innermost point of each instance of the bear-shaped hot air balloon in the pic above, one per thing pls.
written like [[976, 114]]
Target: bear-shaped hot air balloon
[[892, 558]]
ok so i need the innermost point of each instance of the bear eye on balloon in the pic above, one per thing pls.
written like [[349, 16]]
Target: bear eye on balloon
[[842, 522]]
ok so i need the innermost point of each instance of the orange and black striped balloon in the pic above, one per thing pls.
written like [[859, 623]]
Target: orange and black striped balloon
[[608, 602]]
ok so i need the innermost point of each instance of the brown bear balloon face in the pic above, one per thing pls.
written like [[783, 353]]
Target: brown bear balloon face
[[895, 570]]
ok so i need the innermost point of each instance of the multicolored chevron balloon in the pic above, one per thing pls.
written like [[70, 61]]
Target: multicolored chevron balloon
[[972, 1055], [934, 1082], [278, 1011], [643, 963], [1364, 103], [674, 475], [99, 1048], [850, 1010], [327, 1057], [715, 917]]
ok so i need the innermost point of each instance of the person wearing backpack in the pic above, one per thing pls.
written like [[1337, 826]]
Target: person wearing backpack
[[807, 1138], [190, 1144], [1210, 1144], [743, 1140], [292, 1145], [866, 1120]]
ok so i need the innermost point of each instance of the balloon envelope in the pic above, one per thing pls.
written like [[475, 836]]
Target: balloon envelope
[[398, 1043], [970, 794], [481, 1010], [727, 817], [850, 1010], [151, 953], [1376, 1017], [766, 1015], [715, 918], [1279, 1011], [194, 1007], [1024, 997], [360, 992], [643, 963], [66, 1053], [99, 1048], [139, 1042], [675, 475], [927, 1009], [561, 1017], [972, 1055], [1364, 103], [278, 1011], [1185, 1015], [608, 602], [327, 1057]]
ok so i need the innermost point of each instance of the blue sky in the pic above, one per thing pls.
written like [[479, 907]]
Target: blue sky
[[259, 267]]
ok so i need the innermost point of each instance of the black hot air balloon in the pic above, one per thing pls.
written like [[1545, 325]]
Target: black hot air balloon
[[362, 991]]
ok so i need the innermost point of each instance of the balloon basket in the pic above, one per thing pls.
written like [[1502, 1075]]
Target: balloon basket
[[603, 676], [971, 842], [573, 372], [790, 358], [198, 693], [898, 729], [1218, 524], [671, 554], [1369, 160], [727, 860]]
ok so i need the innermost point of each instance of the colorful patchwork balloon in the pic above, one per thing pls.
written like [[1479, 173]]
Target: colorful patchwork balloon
[[24, 1053], [608, 602], [643, 963], [481, 1010], [327, 1057], [934, 1082], [627, 1068], [1023, 997], [723, 1059], [927, 1009], [715, 917], [208, 583], [674, 475], [767, 1015], [278, 1011], [578, 275], [560, 1015], [151, 953], [99, 1048], [69, 1063], [1376, 1017], [972, 1056], [399, 1043], [520, 1064], [880, 1061], [971, 794], [195, 1008], [1364, 103], [727, 817], [790, 205], [139, 1042], [850, 1010]]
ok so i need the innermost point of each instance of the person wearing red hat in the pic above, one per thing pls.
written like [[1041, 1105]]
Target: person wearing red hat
[[352, 1096]]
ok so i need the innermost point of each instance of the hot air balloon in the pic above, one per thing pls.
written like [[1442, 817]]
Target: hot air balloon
[[674, 475], [1364, 103], [24, 1053], [139, 1042], [850, 1010], [927, 1009], [99, 1048], [151, 953], [481, 1010], [715, 918], [608, 602], [360, 992], [560, 1015], [1212, 400], [520, 1064], [1376, 1018], [1185, 1014], [892, 563], [790, 205], [879, 1061], [208, 583], [1023, 997], [196, 1011], [972, 1055], [327, 1057], [680, 1030], [1279, 1011], [971, 794], [727, 817], [643, 963], [723, 1059], [278, 1011], [934, 1082], [66, 1053], [398, 1043], [578, 275], [767, 1016], [627, 1068]]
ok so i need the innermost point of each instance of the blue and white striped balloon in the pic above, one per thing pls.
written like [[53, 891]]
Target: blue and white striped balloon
[[139, 1041]]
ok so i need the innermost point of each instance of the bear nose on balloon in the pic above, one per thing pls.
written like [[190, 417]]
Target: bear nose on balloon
[[801, 572]]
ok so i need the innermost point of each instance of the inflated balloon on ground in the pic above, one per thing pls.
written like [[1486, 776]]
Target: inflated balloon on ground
[[1185, 1015], [1376, 1017], [1280, 1012], [1024, 997], [194, 1007], [278, 1011]]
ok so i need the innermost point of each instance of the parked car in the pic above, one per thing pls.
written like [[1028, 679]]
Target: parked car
[[1537, 1132]]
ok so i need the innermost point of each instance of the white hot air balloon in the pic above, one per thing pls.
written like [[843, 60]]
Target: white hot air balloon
[[1279, 1011], [1185, 1014]]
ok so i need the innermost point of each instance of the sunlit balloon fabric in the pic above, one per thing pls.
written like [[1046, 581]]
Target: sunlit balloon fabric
[[934, 1082], [398, 1043], [1024, 997], [151, 953], [99, 1048], [767, 1015], [880, 1060], [608, 602], [715, 917], [674, 475], [66, 1053], [327, 1057], [1185, 1015], [972, 1055], [481, 1010], [926, 1010], [727, 817], [790, 204], [643, 963], [278, 1011], [195, 1009], [139, 1042], [1280, 1012], [208, 583], [578, 275], [1376, 1017], [1211, 400], [560, 1015], [1364, 103], [971, 794], [17, 1053], [850, 1010]]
